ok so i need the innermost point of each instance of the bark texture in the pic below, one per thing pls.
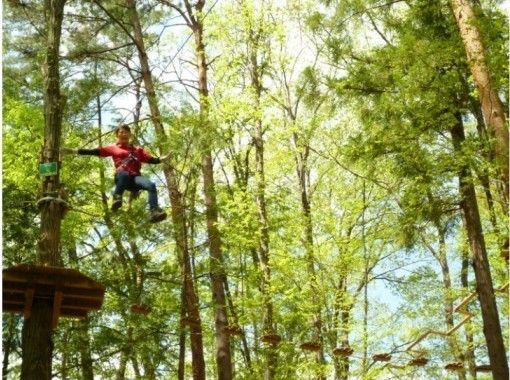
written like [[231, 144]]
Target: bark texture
[[178, 211], [492, 107], [37, 344], [484, 285]]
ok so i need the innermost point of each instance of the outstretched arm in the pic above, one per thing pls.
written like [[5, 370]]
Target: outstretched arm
[[85, 152]]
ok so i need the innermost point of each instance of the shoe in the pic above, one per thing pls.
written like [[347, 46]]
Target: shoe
[[157, 215], [117, 202]]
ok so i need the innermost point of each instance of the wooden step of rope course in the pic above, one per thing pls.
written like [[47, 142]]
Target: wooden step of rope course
[[344, 351], [233, 330], [140, 309], [273, 339], [455, 366], [420, 361], [310, 346], [71, 293], [382, 357]]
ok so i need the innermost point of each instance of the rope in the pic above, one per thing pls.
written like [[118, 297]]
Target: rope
[[52, 199]]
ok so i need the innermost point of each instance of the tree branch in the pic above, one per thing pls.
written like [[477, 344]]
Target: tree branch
[[179, 10], [117, 21]]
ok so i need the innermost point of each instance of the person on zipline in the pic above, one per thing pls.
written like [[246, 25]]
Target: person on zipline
[[128, 161]]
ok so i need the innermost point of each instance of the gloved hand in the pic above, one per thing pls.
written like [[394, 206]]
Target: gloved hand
[[166, 157]]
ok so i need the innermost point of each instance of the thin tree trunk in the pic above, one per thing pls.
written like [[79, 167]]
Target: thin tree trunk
[[245, 348], [492, 107], [182, 338], [341, 327], [263, 256], [149, 371], [37, 344], [484, 285], [267, 320], [303, 174], [364, 362], [178, 215], [82, 330], [65, 341], [469, 352], [482, 172], [124, 356], [218, 277], [448, 302], [85, 352], [136, 368]]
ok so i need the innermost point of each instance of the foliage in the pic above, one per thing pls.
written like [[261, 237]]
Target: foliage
[[363, 94]]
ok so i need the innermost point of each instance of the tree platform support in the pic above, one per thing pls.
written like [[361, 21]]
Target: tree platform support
[[71, 293]]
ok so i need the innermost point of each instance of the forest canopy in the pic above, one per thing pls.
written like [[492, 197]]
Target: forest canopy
[[337, 185]]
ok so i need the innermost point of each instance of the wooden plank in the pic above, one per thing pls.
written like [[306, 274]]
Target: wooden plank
[[465, 301], [83, 303], [72, 293], [15, 308], [83, 292], [455, 328], [503, 288], [49, 275], [71, 312], [14, 297], [64, 312], [45, 290], [68, 301]]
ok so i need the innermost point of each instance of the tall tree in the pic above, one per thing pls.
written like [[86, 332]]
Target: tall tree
[[178, 216], [484, 284], [194, 17], [256, 36], [37, 342], [492, 107]]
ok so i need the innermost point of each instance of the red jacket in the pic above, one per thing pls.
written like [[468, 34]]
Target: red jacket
[[126, 158]]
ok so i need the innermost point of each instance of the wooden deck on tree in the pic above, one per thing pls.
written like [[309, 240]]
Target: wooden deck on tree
[[71, 293]]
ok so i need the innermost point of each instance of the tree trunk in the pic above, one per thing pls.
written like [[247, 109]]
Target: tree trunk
[[469, 352], [178, 216], [303, 174], [345, 315], [482, 173], [136, 367], [245, 348], [267, 320], [82, 329], [447, 299], [85, 353], [492, 107], [218, 277], [124, 356], [263, 247], [364, 363], [37, 345], [181, 369], [65, 341], [149, 371], [484, 286]]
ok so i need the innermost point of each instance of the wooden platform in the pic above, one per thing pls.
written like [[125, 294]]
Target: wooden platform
[[71, 293]]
